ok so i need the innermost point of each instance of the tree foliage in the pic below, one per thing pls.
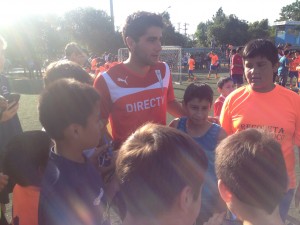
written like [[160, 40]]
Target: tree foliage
[[290, 12], [230, 30]]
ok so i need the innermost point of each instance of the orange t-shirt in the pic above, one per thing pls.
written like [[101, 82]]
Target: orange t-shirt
[[25, 205], [293, 64], [191, 64], [214, 59], [245, 108]]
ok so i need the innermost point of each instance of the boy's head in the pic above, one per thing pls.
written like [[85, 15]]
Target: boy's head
[[75, 53], [26, 156], [66, 69], [263, 48], [198, 90], [70, 109], [138, 23], [225, 86], [260, 60], [197, 101], [161, 170], [251, 171]]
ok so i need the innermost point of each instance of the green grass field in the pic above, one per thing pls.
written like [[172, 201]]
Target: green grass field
[[29, 116]]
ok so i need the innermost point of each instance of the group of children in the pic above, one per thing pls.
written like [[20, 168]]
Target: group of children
[[165, 175]]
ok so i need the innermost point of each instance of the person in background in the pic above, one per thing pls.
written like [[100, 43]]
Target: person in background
[[225, 87]]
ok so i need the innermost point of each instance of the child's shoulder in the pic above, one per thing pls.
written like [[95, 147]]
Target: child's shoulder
[[174, 123]]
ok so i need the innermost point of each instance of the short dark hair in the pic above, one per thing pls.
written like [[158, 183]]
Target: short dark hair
[[153, 166], [261, 47], [65, 102], [250, 163], [26, 156], [222, 81], [138, 22], [71, 48], [198, 90], [66, 69]]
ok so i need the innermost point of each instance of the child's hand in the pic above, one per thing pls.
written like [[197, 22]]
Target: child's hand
[[216, 219], [10, 112], [3, 181], [213, 119], [3, 103]]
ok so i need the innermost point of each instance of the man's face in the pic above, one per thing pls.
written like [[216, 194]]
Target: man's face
[[147, 49], [2, 58], [259, 73]]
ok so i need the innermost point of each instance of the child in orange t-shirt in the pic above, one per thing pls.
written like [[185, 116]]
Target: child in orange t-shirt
[[191, 63], [225, 87], [25, 159]]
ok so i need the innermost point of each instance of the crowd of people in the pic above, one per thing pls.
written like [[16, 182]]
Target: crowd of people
[[105, 143]]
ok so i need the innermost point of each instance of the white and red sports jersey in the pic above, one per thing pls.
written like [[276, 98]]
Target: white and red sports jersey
[[130, 100]]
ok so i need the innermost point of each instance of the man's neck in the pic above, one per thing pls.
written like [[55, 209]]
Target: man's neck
[[137, 67]]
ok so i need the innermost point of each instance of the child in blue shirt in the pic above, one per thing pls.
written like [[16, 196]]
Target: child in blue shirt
[[72, 190], [197, 102]]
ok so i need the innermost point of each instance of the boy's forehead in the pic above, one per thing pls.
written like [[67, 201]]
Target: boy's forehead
[[256, 59], [199, 101]]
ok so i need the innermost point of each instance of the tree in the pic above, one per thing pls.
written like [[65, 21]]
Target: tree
[[259, 29], [170, 36], [93, 29], [290, 12], [201, 34]]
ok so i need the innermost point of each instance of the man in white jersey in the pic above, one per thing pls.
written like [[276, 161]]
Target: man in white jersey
[[140, 89]]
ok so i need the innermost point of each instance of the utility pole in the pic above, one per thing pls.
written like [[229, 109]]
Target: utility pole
[[185, 28], [179, 28], [112, 13]]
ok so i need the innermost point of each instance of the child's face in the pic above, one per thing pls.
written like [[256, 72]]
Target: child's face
[[91, 133], [197, 111], [227, 88], [259, 73]]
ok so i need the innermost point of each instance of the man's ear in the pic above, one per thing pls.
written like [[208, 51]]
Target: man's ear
[[225, 193], [130, 42]]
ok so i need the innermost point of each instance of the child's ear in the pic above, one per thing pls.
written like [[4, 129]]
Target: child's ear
[[186, 198], [225, 193], [219, 90]]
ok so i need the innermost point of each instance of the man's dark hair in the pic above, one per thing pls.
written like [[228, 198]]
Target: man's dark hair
[[263, 48], [250, 163], [138, 22], [26, 157], [66, 102], [66, 69], [222, 81], [198, 90]]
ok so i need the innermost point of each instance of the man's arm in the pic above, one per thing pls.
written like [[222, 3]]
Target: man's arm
[[225, 118], [175, 108]]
